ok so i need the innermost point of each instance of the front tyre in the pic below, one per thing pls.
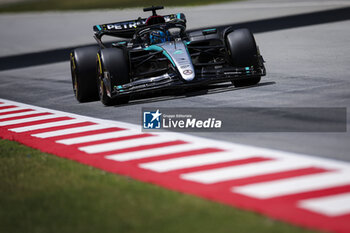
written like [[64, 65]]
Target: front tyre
[[113, 70], [247, 82], [83, 71], [242, 52]]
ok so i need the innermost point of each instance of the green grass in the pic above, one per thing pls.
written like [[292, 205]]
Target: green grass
[[40, 192], [45, 5]]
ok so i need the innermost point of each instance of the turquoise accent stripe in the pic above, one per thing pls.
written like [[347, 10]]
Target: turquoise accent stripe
[[178, 15], [178, 52], [158, 48], [187, 43], [168, 56], [120, 88], [99, 27], [154, 48], [208, 30]]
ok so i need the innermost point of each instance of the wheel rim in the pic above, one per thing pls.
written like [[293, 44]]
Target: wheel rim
[[75, 87], [101, 89], [74, 76], [99, 78]]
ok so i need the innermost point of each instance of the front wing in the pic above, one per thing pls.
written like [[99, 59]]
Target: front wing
[[173, 80]]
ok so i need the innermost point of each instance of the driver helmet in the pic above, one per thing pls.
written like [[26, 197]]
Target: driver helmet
[[158, 36]]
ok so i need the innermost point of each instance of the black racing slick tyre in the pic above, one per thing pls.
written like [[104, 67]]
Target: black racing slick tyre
[[242, 52], [83, 70], [246, 82], [112, 70]]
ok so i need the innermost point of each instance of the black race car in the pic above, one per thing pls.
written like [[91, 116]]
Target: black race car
[[159, 54]]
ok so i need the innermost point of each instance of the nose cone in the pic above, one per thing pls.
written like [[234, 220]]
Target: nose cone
[[187, 73], [181, 58]]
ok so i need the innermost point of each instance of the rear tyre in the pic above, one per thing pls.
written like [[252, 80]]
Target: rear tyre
[[242, 52], [83, 71], [111, 62]]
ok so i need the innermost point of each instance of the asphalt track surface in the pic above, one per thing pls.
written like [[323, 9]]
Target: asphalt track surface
[[305, 44]]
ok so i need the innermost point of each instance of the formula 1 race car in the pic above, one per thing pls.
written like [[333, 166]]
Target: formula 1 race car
[[159, 54]]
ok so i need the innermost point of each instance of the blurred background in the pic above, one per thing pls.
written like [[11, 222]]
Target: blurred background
[[40, 5]]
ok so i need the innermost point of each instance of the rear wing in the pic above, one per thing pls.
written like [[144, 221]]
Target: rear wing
[[126, 29]]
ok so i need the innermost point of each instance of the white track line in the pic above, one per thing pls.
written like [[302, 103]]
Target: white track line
[[294, 185], [18, 114], [154, 152], [244, 171], [123, 144], [62, 132], [29, 119], [12, 109], [192, 161], [46, 125], [339, 174], [5, 104], [97, 137], [333, 206]]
